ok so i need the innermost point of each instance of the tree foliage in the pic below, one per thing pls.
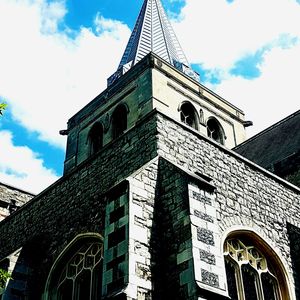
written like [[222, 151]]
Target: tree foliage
[[4, 277], [2, 108]]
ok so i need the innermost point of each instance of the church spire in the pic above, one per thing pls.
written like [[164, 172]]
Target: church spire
[[153, 33]]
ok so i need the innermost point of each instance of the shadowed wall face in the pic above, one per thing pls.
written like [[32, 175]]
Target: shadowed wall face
[[294, 234]]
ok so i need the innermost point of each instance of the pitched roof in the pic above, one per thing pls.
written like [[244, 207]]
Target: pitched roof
[[153, 33], [274, 144]]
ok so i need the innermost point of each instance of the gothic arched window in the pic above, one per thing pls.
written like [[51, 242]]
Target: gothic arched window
[[251, 274], [188, 115], [119, 120], [95, 138], [215, 130], [77, 274]]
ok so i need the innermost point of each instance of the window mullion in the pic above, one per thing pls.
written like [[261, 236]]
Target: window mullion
[[74, 294], [91, 284], [259, 287], [240, 284]]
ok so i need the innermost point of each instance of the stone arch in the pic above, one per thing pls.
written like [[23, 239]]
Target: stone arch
[[271, 262], [215, 130], [84, 252], [188, 114], [119, 120], [95, 138]]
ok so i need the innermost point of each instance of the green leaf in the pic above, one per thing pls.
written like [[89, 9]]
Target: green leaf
[[2, 107], [4, 277]]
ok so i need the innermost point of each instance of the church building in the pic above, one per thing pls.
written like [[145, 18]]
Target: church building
[[157, 200]]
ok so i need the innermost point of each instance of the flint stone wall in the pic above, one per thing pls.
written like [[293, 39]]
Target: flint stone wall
[[11, 199], [74, 204], [247, 196]]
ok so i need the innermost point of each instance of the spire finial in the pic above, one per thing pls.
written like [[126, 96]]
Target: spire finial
[[153, 33]]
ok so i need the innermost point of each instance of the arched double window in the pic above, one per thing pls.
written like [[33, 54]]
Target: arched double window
[[253, 273], [188, 115], [95, 138], [119, 120], [215, 130], [77, 273]]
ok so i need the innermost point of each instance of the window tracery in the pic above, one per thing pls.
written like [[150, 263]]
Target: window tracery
[[77, 274], [188, 115], [250, 276], [215, 130]]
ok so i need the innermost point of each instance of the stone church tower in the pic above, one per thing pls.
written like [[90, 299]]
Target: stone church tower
[[153, 204]]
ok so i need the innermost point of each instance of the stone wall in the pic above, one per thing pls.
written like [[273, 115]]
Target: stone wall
[[175, 245], [11, 199], [173, 269], [142, 231], [74, 204], [246, 195]]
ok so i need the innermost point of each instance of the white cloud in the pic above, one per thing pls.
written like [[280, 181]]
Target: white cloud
[[45, 75], [272, 96], [224, 32], [21, 167]]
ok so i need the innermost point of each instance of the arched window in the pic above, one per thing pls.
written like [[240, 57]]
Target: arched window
[[119, 120], [95, 138], [252, 271], [215, 130], [188, 115], [77, 273]]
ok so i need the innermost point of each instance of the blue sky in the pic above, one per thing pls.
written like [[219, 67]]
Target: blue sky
[[55, 57]]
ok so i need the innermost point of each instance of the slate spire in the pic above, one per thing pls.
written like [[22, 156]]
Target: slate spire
[[153, 32]]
